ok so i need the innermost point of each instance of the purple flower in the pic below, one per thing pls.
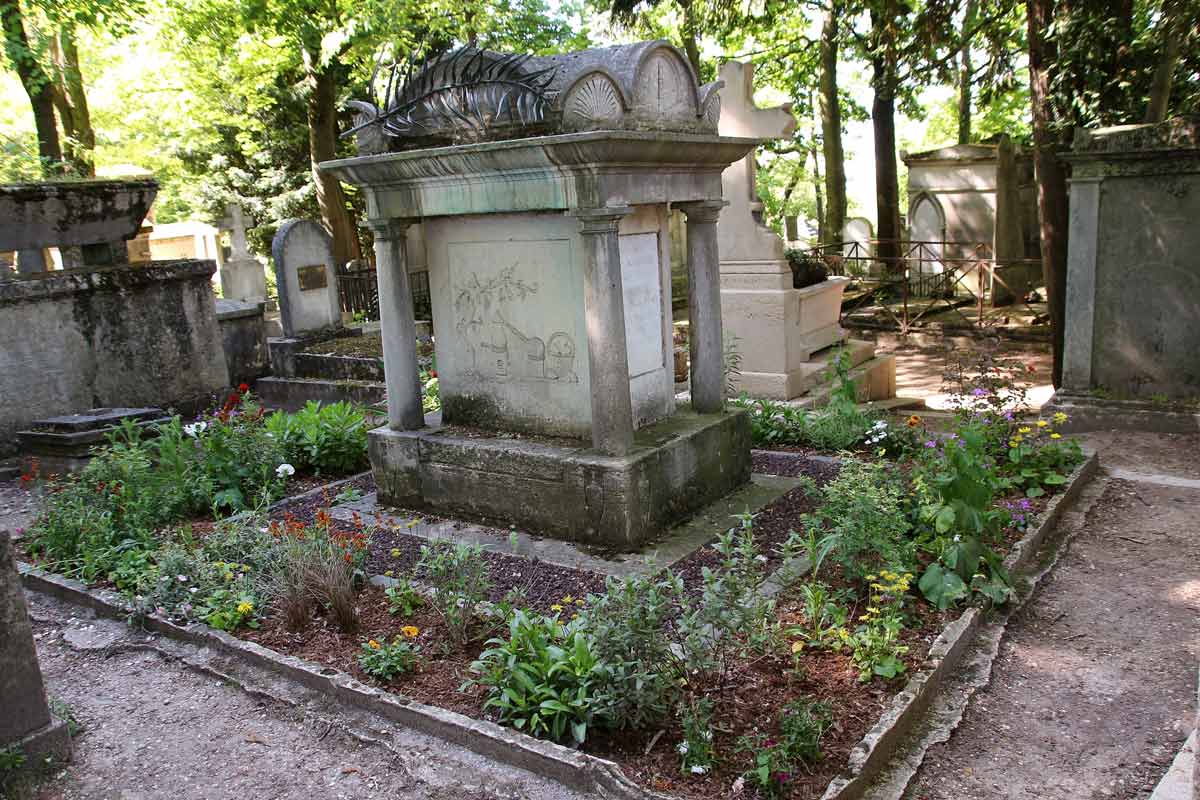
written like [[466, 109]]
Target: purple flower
[[1024, 503], [979, 391], [931, 444], [1008, 415]]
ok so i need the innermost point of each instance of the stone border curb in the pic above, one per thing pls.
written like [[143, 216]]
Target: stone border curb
[[579, 771], [871, 755]]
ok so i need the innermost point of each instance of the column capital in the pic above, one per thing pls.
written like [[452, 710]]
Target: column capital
[[386, 229], [701, 211], [604, 219]]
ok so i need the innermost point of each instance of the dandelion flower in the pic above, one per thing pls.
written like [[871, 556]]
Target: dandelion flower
[[556, 608]]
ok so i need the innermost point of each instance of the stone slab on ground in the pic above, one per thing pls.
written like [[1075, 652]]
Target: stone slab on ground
[[161, 718], [1177, 783], [677, 543], [1093, 693]]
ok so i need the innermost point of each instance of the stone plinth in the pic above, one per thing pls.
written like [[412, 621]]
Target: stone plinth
[[244, 340], [89, 220], [568, 491], [1133, 273], [26, 723], [115, 337], [64, 444]]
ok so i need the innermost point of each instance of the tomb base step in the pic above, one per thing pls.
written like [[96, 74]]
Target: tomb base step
[[290, 394], [566, 491]]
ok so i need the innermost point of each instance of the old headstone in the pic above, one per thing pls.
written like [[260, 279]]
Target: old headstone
[[26, 723], [306, 278], [242, 276], [777, 327]]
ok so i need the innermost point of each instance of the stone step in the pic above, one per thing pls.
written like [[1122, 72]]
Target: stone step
[[290, 394]]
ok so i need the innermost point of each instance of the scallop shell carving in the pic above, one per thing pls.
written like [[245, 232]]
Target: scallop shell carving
[[593, 103]]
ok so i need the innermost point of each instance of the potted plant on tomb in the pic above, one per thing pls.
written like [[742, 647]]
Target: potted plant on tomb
[[819, 295]]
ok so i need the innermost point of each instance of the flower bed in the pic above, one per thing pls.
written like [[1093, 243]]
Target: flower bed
[[735, 670]]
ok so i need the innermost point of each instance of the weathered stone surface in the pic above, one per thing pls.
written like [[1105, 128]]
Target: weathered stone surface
[[1133, 276], [74, 214], [578, 494], [306, 277], [119, 336], [22, 695], [244, 340]]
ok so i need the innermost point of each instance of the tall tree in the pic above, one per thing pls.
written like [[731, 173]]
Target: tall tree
[[966, 73], [35, 81], [834, 219], [70, 100]]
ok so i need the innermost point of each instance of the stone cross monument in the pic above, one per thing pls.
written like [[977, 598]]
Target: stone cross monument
[[242, 276], [778, 327]]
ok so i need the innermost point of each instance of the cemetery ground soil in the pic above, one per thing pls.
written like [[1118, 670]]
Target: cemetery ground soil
[[154, 727], [1094, 689]]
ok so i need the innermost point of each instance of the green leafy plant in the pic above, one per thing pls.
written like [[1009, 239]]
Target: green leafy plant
[[330, 438], [875, 647], [798, 745], [541, 678], [697, 756], [458, 575], [387, 661], [403, 599]]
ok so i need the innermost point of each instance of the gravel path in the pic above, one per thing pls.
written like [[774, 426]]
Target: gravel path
[[155, 727], [1094, 689]]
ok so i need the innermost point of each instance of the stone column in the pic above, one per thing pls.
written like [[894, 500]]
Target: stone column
[[604, 307], [397, 326], [26, 721], [704, 306]]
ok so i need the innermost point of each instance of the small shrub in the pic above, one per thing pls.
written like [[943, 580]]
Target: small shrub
[[863, 510], [330, 438], [541, 678], [459, 577], [876, 647], [404, 599], [387, 661], [776, 760]]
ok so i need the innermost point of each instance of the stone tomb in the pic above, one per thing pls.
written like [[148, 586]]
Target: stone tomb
[[306, 278], [545, 224], [242, 276]]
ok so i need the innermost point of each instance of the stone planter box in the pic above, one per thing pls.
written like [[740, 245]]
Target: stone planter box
[[95, 216], [819, 307]]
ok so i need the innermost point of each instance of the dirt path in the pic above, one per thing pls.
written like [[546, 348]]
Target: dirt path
[[1094, 689], [155, 728]]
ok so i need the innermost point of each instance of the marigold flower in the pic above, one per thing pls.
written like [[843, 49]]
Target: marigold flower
[[1059, 417], [914, 421], [1041, 423], [410, 631], [556, 607], [374, 645]]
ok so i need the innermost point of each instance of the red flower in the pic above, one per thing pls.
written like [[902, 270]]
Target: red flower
[[243, 387], [433, 373]]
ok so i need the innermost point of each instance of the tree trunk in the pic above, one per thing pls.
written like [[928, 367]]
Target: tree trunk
[[965, 71], [36, 83], [322, 146], [1049, 174], [834, 220], [883, 123], [823, 235], [1164, 73], [689, 33], [71, 101]]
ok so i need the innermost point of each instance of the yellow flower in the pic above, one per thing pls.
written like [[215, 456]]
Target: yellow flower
[[395, 552], [1056, 436], [245, 607], [389, 573], [1023, 429], [1059, 417], [1042, 423], [412, 523], [410, 631], [568, 599], [245, 567], [556, 608], [579, 601], [374, 645], [574, 616], [797, 646], [864, 618]]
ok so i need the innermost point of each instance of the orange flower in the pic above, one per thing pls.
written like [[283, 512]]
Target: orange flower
[[410, 631], [914, 421]]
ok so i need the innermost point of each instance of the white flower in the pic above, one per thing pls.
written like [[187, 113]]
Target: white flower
[[182, 578], [195, 429], [698, 770], [708, 736], [285, 469], [683, 748], [193, 590], [957, 538]]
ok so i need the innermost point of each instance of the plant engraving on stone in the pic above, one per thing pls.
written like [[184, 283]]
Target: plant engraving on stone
[[499, 349]]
